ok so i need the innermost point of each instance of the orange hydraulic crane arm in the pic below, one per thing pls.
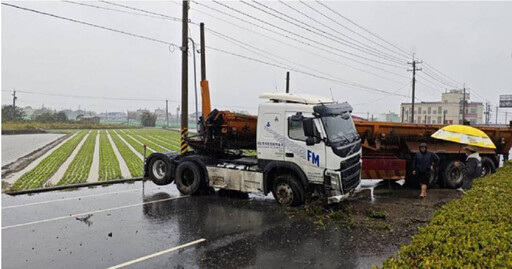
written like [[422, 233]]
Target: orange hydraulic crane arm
[[205, 99]]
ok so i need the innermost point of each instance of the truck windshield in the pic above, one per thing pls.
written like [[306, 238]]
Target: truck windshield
[[340, 128]]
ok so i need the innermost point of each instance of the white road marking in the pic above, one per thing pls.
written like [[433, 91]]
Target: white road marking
[[94, 173], [129, 146], [90, 212], [55, 178], [125, 171], [15, 176], [128, 263], [73, 198]]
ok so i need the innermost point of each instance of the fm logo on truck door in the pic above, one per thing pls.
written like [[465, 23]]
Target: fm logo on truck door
[[313, 158]]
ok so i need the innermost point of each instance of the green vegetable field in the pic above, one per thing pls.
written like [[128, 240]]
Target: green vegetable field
[[79, 169], [128, 143], [47, 167], [109, 165]]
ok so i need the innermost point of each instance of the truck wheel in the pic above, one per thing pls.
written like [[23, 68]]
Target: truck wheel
[[188, 178], [287, 191], [452, 176], [159, 171], [488, 166]]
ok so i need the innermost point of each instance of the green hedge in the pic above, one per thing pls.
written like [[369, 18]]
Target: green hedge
[[472, 232]]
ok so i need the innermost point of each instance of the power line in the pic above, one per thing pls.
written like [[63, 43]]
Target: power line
[[334, 30], [305, 38], [304, 50], [92, 25], [406, 53], [296, 40], [306, 73], [117, 10], [273, 56], [92, 97], [323, 33], [142, 10]]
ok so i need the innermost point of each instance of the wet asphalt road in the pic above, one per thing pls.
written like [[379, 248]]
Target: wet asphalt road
[[142, 225]]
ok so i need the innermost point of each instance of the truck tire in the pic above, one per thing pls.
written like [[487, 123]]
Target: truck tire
[[188, 177], [452, 176], [159, 171], [488, 166], [288, 191]]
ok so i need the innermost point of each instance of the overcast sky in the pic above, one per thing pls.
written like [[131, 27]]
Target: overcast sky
[[468, 42]]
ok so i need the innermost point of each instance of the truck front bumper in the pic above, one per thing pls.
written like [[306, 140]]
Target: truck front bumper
[[338, 198]]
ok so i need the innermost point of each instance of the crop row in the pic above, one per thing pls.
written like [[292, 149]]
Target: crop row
[[78, 170], [36, 177], [149, 142], [133, 161], [109, 165], [136, 145]]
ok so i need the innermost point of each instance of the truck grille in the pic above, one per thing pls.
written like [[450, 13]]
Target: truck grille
[[350, 173]]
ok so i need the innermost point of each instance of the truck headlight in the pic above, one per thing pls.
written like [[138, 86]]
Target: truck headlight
[[334, 180]]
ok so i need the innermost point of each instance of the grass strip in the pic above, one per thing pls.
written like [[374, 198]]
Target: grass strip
[[472, 232]]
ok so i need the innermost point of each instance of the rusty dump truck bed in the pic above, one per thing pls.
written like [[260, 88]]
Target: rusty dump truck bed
[[388, 146], [371, 130]]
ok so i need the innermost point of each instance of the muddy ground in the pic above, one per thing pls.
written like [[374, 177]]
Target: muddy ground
[[149, 226]]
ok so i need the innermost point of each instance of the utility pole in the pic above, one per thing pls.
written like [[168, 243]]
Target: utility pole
[[444, 116], [487, 112], [167, 113], [414, 69], [497, 107], [506, 115], [368, 116], [127, 117], [287, 82], [177, 114], [14, 98], [402, 117], [464, 104], [205, 88], [195, 76], [14, 103], [184, 79]]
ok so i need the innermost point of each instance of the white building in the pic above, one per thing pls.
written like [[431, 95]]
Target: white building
[[448, 111]]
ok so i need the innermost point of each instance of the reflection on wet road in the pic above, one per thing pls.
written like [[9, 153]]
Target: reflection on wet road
[[142, 225]]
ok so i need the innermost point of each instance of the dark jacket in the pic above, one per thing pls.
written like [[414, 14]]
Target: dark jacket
[[473, 167], [423, 161]]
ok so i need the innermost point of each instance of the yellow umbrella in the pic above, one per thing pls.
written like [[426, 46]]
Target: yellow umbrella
[[464, 135]]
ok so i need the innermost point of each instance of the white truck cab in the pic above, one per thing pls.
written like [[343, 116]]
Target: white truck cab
[[329, 155], [305, 145]]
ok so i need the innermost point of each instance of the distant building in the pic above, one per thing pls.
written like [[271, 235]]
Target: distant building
[[94, 119], [389, 117], [448, 111]]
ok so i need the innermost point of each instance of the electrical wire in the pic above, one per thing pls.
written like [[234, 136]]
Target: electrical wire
[[336, 31], [322, 33], [296, 40], [91, 24], [305, 38], [117, 10], [405, 52]]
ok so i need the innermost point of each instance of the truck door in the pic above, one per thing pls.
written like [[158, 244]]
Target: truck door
[[310, 158]]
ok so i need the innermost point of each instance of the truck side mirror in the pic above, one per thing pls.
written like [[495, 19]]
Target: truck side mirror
[[309, 127], [310, 141]]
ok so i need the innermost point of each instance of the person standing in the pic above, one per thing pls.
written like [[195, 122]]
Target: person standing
[[424, 164], [472, 169]]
